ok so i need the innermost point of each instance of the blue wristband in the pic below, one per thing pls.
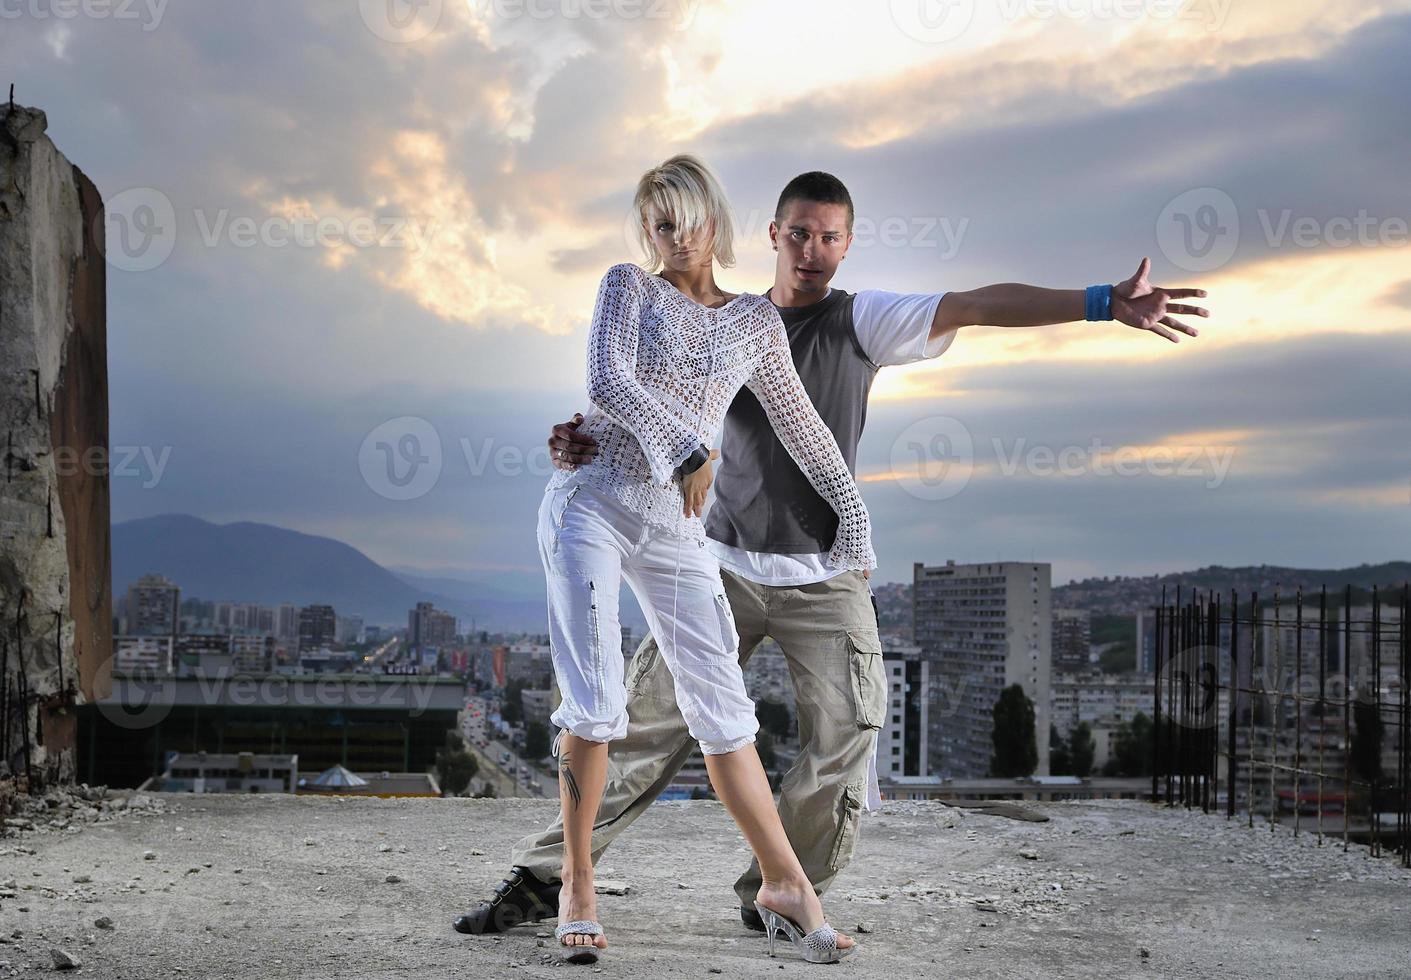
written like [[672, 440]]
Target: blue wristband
[[1097, 301]]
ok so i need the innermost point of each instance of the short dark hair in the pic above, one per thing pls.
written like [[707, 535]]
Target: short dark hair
[[817, 187]]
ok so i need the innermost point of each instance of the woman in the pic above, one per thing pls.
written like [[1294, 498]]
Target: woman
[[667, 353]]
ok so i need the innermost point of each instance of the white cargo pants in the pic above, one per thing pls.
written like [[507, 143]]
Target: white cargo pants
[[589, 542]]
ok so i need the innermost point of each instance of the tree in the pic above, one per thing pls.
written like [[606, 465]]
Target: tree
[[512, 707], [536, 740], [1131, 753], [773, 717], [1366, 741], [456, 768], [1016, 750], [1060, 762], [1082, 750]]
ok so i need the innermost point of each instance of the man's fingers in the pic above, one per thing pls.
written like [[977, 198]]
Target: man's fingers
[[1183, 293], [571, 435], [1171, 321], [1163, 332], [1185, 308], [572, 442]]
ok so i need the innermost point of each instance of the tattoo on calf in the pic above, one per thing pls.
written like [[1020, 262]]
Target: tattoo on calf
[[568, 780]]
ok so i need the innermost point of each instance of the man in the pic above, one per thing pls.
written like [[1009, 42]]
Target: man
[[771, 532]]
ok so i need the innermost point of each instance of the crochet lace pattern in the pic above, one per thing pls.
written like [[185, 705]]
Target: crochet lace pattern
[[663, 369]]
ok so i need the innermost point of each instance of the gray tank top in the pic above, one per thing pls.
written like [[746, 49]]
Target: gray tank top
[[763, 501]]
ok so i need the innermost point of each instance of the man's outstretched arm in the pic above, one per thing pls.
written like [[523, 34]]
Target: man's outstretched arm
[[1135, 302]]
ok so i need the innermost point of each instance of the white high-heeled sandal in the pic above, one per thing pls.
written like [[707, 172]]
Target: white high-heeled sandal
[[579, 954], [818, 946]]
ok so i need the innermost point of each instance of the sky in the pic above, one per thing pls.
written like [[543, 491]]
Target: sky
[[347, 236]]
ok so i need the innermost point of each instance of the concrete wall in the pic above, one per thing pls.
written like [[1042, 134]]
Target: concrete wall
[[55, 578]]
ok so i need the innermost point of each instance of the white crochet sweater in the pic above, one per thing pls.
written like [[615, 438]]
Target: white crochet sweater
[[663, 369]]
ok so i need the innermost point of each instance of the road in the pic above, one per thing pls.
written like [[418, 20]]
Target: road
[[505, 776]]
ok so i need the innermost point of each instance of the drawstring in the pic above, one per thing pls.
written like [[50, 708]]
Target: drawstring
[[554, 751], [680, 515]]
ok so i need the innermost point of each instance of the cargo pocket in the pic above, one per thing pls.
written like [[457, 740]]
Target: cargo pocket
[[728, 635], [595, 642], [869, 677], [849, 813], [557, 514], [642, 662]]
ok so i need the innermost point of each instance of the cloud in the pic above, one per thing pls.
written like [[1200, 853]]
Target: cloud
[[1399, 294], [1018, 157]]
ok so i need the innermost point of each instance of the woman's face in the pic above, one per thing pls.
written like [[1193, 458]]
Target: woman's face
[[679, 252]]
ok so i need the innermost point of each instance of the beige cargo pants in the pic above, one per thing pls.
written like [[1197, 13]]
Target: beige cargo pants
[[828, 634]]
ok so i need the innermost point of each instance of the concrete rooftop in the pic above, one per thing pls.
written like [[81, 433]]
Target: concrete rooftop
[[274, 886]]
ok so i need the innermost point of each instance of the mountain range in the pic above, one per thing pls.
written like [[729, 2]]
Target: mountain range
[[246, 561]]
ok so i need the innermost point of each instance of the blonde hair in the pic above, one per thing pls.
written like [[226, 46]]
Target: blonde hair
[[685, 189]]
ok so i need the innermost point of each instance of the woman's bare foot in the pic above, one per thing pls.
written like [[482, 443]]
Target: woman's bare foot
[[577, 900], [797, 901]]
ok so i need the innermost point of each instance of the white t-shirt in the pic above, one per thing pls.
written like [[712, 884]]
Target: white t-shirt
[[893, 328]]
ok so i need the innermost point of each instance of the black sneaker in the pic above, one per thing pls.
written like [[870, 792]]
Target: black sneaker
[[751, 919], [520, 898]]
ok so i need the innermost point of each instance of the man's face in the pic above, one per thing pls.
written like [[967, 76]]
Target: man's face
[[812, 239]]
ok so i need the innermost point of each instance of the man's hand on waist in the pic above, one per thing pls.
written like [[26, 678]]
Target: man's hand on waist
[[569, 448]]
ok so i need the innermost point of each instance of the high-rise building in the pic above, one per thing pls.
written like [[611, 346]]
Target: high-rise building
[[224, 617], [153, 607], [287, 621], [252, 653], [350, 629], [1146, 641], [902, 742], [317, 627], [1072, 639], [428, 626], [982, 627]]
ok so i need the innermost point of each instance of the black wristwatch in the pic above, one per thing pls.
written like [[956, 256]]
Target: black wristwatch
[[694, 461]]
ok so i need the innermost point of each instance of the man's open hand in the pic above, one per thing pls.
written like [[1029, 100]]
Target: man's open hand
[[569, 448], [1138, 303]]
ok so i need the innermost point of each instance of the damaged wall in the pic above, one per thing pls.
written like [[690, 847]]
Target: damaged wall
[[55, 579]]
